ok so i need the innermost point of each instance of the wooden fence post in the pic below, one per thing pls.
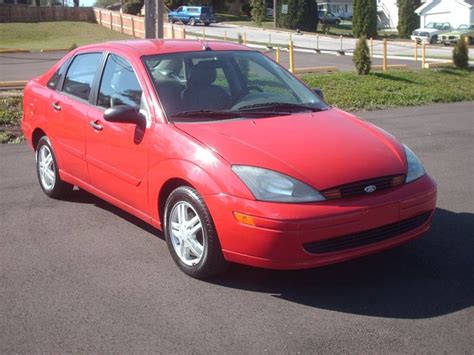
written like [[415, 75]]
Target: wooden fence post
[[277, 55], [371, 48], [423, 55], [415, 50], [292, 56], [384, 63]]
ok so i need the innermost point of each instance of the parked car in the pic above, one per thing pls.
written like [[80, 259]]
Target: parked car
[[192, 15], [453, 37], [431, 32], [226, 152], [328, 18]]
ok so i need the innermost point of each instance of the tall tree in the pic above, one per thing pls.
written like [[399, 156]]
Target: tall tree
[[302, 14], [364, 21], [408, 20]]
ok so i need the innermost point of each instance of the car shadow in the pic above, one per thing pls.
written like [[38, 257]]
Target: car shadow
[[82, 196], [428, 277]]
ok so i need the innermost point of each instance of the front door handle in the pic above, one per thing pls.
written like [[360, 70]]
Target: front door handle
[[96, 125], [56, 106]]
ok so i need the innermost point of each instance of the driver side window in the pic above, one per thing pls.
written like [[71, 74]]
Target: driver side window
[[119, 84]]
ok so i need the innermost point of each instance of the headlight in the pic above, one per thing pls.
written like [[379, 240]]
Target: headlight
[[268, 185], [415, 168]]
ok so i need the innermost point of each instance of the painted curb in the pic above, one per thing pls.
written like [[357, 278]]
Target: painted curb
[[13, 50]]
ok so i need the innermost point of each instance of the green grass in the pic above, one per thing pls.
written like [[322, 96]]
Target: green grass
[[54, 35], [378, 90]]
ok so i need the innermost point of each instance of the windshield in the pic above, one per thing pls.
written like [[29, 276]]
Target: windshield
[[193, 86], [435, 25]]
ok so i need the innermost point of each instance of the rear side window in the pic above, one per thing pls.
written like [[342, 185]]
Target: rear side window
[[57, 76], [81, 73], [119, 84]]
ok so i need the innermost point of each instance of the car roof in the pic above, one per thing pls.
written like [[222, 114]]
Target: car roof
[[143, 47]]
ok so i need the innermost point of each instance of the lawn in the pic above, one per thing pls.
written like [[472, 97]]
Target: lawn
[[378, 90], [348, 91], [54, 35]]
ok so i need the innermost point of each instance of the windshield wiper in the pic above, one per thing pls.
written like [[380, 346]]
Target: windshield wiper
[[279, 106], [227, 114], [208, 114]]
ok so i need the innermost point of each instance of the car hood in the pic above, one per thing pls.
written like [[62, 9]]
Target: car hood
[[324, 149], [429, 30]]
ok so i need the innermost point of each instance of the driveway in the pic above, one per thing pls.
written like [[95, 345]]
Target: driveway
[[83, 276]]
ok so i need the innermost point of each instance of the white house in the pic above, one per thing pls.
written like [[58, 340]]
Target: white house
[[456, 12], [341, 8]]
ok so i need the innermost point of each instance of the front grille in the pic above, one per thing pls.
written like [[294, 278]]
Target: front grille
[[366, 237], [358, 188]]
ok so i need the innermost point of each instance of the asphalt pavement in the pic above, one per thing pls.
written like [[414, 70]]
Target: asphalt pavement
[[82, 276]]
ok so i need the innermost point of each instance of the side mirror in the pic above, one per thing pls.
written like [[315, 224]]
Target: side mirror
[[319, 92], [123, 114]]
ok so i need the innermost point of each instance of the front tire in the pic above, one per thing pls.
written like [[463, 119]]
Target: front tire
[[48, 172], [191, 236]]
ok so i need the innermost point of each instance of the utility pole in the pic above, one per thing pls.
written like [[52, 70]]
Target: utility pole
[[160, 13], [150, 18]]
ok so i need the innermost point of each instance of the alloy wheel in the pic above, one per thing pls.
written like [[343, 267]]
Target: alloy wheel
[[186, 233]]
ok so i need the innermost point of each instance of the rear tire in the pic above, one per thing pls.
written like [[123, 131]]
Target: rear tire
[[191, 236], [191, 21], [434, 39], [48, 171]]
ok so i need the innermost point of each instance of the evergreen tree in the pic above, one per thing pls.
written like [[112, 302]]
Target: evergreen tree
[[408, 20], [461, 54], [361, 57], [364, 21], [302, 14]]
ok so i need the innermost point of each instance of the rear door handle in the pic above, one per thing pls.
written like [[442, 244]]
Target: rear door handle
[[96, 125], [56, 106]]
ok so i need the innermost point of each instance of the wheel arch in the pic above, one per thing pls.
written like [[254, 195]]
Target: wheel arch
[[168, 187], [36, 136]]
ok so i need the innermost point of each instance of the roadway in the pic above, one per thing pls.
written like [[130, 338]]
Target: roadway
[[82, 276]]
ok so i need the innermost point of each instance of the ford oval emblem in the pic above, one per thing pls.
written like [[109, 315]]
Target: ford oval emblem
[[369, 189]]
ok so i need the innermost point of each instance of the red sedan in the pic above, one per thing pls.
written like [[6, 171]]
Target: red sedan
[[230, 155]]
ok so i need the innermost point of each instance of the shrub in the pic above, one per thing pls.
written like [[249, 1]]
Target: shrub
[[461, 54], [258, 11], [132, 8], [364, 20], [361, 57]]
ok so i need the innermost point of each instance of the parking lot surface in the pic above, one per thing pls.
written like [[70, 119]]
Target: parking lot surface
[[82, 276]]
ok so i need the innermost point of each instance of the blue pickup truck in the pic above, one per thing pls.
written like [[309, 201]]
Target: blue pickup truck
[[192, 15]]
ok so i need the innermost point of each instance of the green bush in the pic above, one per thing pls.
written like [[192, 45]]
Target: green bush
[[132, 8], [408, 20], [361, 57], [461, 54], [258, 11], [364, 20]]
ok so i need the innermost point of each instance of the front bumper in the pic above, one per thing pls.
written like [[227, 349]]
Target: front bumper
[[277, 239], [420, 39]]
